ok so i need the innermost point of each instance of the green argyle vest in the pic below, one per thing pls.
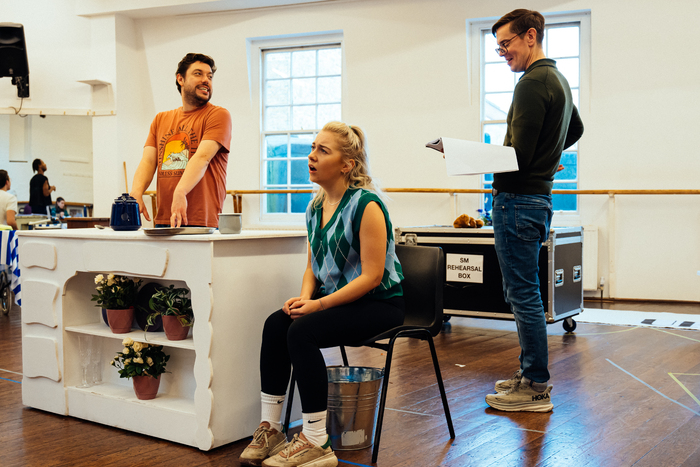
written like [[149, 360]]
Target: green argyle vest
[[335, 248]]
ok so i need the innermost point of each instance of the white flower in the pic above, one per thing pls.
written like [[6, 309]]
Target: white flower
[[128, 341], [138, 360], [137, 347], [126, 350], [112, 363], [127, 361], [149, 360], [99, 278], [110, 279]]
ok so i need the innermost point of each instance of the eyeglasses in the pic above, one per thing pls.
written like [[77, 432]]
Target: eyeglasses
[[502, 49]]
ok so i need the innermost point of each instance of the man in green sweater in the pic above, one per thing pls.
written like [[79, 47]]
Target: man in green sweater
[[542, 122]]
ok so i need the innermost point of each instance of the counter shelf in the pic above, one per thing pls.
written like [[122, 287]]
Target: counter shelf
[[210, 395]]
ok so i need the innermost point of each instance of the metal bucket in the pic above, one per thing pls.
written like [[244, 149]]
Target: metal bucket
[[353, 397]]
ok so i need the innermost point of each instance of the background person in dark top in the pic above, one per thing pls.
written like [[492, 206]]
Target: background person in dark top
[[39, 189]]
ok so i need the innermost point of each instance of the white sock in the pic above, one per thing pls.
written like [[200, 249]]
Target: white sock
[[272, 410], [314, 428]]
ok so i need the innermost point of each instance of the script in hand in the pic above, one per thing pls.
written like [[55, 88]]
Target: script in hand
[[472, 158]]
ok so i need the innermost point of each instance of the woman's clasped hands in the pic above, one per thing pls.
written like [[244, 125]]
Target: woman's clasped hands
[[297, 307]]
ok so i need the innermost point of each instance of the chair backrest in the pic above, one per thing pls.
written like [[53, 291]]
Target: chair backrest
[[424, 279]]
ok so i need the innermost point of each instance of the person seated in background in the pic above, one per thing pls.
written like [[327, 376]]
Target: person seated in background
[[59, 211], [8, 202], [351, 290]]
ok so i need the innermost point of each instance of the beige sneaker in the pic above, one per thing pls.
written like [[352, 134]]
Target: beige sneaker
[[299, 452], [266, 442], [522, 398], [502, 385]]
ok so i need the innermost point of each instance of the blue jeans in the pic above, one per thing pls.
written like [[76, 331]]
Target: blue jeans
[[520, 225]]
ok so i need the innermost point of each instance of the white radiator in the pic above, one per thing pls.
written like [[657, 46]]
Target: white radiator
[[590, 257]]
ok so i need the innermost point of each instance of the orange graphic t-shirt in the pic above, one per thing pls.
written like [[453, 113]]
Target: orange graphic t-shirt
[[176, 136]]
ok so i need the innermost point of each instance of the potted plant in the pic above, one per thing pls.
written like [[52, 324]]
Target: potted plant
[[117, 294], [176, 310], [144, 363]]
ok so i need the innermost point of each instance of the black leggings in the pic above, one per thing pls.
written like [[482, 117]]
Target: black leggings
[[287, 342]]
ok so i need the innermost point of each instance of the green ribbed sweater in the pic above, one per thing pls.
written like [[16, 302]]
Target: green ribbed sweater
[[542, 122]]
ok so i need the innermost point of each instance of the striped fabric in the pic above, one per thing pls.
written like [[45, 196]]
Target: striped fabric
[[9, 258], [335, 248]]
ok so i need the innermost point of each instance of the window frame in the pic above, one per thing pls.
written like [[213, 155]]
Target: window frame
[[476, 62], [333, 39]]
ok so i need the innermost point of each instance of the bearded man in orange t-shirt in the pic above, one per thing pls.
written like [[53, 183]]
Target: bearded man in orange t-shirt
[[188, 148]]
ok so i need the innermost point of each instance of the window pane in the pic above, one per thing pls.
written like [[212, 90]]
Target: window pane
[[329, 89], [488, 199], [498, 77], [276, 146], [277, 92], [277, 65], [300, 201], [328, 113], [301, 144], [495, 133], [563, 42], [276, 203], [569, 68], [328, 63], [564, 202], [304, 117], [276, 118], [496, 106], [304, 63], [568, 160], [490, 45], [300, 172], [304, 91], [277, 172], [574, 96]]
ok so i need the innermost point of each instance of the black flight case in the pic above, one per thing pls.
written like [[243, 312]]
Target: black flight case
[[473, 285]]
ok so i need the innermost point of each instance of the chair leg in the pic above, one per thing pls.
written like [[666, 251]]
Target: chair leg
[[344, 355], [382, 400], [290, 400], [438, 375]]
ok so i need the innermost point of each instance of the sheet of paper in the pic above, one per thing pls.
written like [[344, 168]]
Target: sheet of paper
[[472, 158]]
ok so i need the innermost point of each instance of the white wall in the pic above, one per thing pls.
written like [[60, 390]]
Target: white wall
[[406, 82], [63, 143]]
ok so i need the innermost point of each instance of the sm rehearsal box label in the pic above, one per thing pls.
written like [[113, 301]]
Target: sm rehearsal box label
[[465, 268]]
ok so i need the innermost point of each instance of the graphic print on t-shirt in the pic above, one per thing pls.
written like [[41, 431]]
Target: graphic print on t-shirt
[[174, 151]]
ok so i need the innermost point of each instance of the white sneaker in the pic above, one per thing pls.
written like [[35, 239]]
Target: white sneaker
[[502, 385], [522, 398]]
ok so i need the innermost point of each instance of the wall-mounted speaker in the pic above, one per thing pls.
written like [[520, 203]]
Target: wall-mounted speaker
[[13, 57]]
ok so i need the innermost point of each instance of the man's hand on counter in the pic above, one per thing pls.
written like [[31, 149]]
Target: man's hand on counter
[[178, 210], [142, 206]]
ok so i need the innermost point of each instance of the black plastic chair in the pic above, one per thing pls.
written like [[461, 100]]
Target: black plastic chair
[[424, 277]]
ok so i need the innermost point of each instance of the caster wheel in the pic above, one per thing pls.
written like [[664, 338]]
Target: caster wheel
[[446, 318], [569, 325]]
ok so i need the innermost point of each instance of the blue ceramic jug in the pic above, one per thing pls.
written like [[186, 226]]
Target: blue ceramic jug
[[125, 213]]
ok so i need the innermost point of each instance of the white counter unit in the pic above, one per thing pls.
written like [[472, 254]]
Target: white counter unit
[[211, 393]]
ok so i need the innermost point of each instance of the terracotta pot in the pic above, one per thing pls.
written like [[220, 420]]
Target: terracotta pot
[[146, 387], [120, 321], [174, 331]]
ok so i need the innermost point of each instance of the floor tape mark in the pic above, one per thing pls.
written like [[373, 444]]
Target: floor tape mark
[[12, 380], [353, 463], [673, 375], [13, 372], [651, 387], [677, 335]]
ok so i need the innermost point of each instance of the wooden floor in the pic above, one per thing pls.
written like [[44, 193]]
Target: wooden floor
[[622, 396]]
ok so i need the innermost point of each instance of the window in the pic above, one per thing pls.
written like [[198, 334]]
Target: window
[[301, 90], [563, 43]]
